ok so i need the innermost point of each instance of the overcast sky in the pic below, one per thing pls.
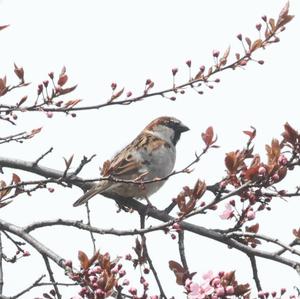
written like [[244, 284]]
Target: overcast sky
[[101, 42]]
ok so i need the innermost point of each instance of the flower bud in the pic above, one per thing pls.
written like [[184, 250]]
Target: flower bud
[[176, 226], [26, 253], [68, 263], [262, 170], [275, 177], [239, 36], [122, 273], [202, 68], [51, 75], [258, 26], [113, 86], [128, 257], [132, 291], [174, 71], [250, 215], [146, 271], [188, 63], [49, 114], [216, 53]]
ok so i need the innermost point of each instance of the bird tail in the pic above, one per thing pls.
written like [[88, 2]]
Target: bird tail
[[90, 193]]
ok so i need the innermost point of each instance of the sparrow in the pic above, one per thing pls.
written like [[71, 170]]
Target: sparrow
[[149, 156]]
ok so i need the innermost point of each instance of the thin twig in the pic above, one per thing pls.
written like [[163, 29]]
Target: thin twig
[[35, 163], [265, 238], [182, 250], [88, 212], [51, 276], [255, 271], [83, 162], [145, 249], [33, 285]]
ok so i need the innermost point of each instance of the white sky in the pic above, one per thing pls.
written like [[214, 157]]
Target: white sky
[[127, 42]]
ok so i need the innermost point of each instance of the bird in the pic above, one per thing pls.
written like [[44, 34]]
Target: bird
[[151, 155]]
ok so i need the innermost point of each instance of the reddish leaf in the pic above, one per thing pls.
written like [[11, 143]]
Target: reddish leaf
[[3, 192], [253, 229], [223, 59], [15, 179], [118, 94], [84, 261], [251, 172], [3, 27], [71, 103], [248, 41], [34, 132], [256, 45], [290, 134], [199, 189], [208, 136], [19, 71], [67, 90], [272, 24], [22, 100], [94, 258], [242, 290], [3, 87], [179, 271], [273, 152], [62, 80]]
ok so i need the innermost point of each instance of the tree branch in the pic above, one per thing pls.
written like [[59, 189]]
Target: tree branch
[[255, 272], [51, 276], [182, 250], [41, 248], [144, 243]]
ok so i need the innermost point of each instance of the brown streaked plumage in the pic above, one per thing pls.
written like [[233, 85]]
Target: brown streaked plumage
[[150, 155]]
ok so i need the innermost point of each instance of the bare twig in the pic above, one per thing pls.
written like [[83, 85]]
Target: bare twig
[[80, 225], [144, 243], [51, 276], [33, 285], [88, 212], [182, 250], [265, 238], [83, 162], [255, 272], [35, 163]]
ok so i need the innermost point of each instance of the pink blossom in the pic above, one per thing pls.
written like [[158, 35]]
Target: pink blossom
[[229, 290], [250, 215], [200, 291], [228, 213]]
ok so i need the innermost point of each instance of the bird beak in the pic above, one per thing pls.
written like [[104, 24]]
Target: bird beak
[[182, 128]]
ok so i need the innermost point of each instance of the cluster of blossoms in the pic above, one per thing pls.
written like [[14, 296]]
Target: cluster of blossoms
[[221, 285]]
